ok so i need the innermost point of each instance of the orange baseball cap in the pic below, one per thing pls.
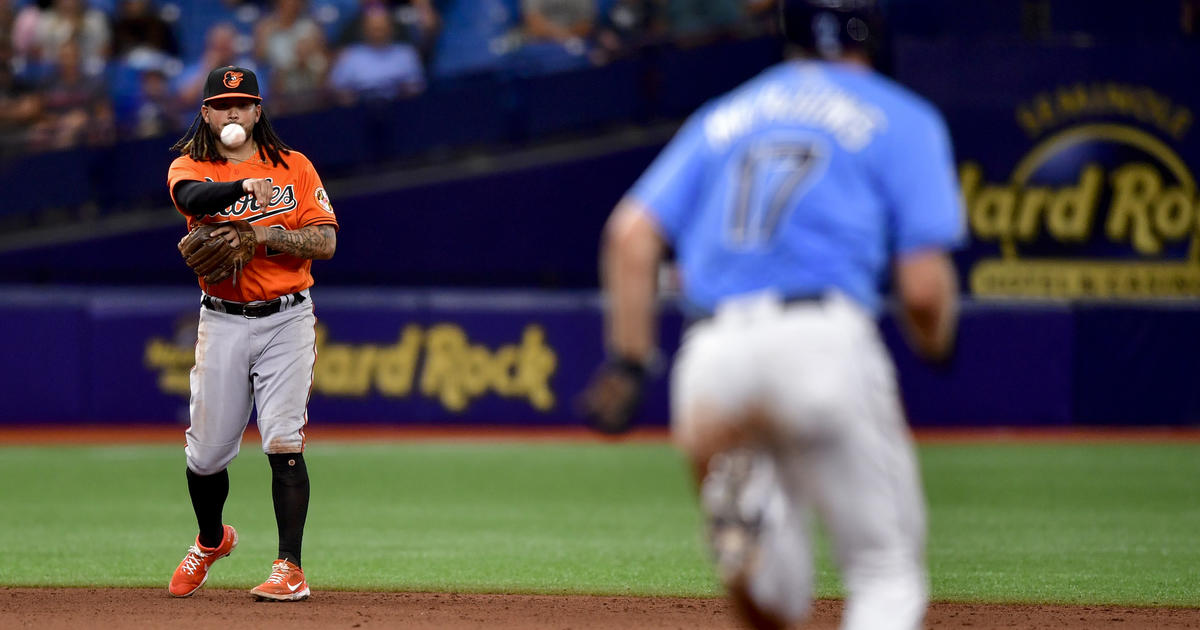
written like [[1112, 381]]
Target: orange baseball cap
[[231, 82]]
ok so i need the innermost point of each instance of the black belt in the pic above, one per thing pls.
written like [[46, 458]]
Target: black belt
[[813, 298], [803, 299], [261, 309]]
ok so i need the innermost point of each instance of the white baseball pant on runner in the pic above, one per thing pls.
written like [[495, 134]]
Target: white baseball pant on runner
[[245, 362], [816, 377]]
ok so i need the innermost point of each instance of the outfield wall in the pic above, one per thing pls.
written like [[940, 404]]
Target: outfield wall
[[519, 358]]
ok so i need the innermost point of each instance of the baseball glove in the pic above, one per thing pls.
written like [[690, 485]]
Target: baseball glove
[[213, 257], [613, 396]]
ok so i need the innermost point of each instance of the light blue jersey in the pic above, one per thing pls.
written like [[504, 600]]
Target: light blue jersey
[[807, 178]]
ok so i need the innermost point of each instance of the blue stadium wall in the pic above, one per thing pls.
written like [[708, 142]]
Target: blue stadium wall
[[520, 358], [1084, 260]]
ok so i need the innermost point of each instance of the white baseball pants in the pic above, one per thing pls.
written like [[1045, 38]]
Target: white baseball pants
[[814, 379], [246, 362]]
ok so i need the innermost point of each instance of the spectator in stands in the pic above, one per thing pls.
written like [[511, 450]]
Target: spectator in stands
[[561, 21], [20, 104], [379, 67], [86, 28], [8, 17], [422, 23], [139, 27], [763, 16], [145, 52], [415, 22], [625, 26], [157, 112], [75, 105], [554, 34], [220, 49], [695, 21], [1189, 17], [292, 45], [27, 54], [475, 37]]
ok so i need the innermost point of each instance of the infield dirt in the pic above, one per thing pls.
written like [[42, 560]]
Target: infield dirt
[[55, 609]]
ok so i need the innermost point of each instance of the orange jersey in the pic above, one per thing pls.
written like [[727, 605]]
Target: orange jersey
[[297, 200]]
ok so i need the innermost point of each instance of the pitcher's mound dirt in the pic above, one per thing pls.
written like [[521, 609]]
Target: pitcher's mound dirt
[[74, 608]]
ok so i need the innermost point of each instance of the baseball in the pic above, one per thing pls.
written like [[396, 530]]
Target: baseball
[[233, 135]]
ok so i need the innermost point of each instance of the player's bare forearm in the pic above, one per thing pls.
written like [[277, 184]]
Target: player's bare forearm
[[929, 299], [632, 250], [539, 27], [582, 29], [316, 242], [629, 258]]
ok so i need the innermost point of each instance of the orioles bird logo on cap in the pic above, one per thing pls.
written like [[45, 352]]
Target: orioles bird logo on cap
[[232, 79]]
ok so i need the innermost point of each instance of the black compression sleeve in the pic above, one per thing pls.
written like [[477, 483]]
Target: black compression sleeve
[[289, 492], [199, 198]]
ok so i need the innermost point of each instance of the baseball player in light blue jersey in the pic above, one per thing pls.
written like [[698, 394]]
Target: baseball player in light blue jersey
[[787, 202]]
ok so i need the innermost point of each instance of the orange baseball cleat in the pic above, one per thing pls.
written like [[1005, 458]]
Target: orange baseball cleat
[[193, 571], [286, 584]]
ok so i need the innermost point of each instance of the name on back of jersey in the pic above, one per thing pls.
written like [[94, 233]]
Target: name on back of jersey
[[852, 122]]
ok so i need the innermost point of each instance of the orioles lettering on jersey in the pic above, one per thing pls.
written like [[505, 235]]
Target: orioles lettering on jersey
[[283, 199]]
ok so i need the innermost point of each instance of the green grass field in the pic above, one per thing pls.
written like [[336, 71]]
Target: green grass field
[[1008, 522]]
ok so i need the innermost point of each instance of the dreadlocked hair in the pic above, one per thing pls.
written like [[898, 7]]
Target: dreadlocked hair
[[201, 144]]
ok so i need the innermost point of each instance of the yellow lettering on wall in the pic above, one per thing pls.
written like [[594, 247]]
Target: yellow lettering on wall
[[397, 363], [173, 363], [1134, 188], [1033, 202], [536, 362], [445, 346], [1093, 279], [1072, 208], [1011, 211], [1174, 214], [1179, 123], [455, 371], [1028, 120], [1067, 103], [989, 208], [1144, 212], [341, 369], [1072, 100]]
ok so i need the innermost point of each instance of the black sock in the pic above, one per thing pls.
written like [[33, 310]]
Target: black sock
[[289, 491], [208, 499]]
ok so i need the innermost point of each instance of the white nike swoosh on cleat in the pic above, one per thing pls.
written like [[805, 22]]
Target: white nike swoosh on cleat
[[293, 588]]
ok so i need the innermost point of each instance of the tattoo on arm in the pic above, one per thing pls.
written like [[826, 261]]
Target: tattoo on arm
[[314, 241]]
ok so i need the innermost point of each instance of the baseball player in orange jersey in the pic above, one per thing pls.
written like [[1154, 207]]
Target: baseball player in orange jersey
[[256, 339]]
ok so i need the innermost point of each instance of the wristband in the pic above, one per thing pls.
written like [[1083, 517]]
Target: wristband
[[635, 370]]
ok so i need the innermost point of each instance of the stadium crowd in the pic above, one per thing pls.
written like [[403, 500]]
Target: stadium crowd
[[76, 72]]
